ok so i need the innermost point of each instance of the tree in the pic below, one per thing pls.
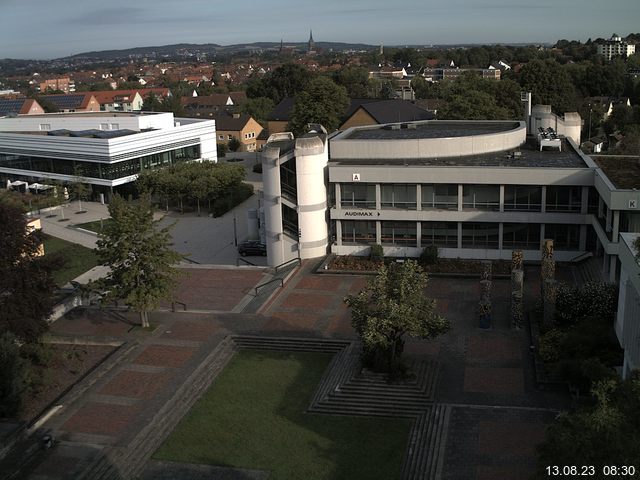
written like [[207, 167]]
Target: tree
[[138, 254], [80, 187], [321, 102], [26, 281], [285, 81], [12, 375], [393, 305], [355, 80], [234, 144], [550, 84], [607, 433], [259, 108]]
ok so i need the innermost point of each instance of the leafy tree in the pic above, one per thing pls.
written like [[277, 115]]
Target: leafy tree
[[152, 103], [550, 84], [137, 251], [26, 281], [607, 433], [285, 81], [80, 187], [392, 305], [12, 375], [234, 144], [259, 108], [355, 80], [321, 102], [630, 144]]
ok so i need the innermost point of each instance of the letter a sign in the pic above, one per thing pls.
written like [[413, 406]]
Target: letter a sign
[[355, 177]]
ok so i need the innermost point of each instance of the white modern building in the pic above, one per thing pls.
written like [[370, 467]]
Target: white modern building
[[615, 47], [628, 318], [108, 150]]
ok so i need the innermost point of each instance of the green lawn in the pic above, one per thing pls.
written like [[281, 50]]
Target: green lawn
[[95, 226], [77, 259], [254, 417]]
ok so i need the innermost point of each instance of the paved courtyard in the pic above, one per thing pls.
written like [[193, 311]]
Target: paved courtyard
[[486, 378]]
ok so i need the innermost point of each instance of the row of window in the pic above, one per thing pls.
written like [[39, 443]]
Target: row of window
[[524, 236], [107, 171], [519, 198]]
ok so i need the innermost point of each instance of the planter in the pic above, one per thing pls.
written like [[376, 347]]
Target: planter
[[485, 320]]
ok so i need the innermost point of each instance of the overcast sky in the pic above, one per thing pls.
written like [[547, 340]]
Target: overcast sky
[[55, 28]]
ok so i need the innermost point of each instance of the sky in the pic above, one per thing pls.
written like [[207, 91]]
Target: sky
[[45, 29]]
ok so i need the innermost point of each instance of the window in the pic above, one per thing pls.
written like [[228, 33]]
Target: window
[[399, 196], [220, 137], [229, 137], [480, 235], [522, 198], [565, 237], [440, 234], [440, 196], [115, 126], [354, 232], [361, 195], [104, 126], [399, 233], [289, 221], [481, 197], [288, 180], [525, 236], [592, 201], [45, 127], [564, 199]]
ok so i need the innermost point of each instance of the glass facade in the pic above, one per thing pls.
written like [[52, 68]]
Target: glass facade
[[360, 195], [480, 235], [564, 199], [355, 233], [289, 221], [565, 237], [439, 196], [525, 236], [481, 197], [440, 234], [398, 195], [288, 180], [399, 233], [522, 198], [102, 170]]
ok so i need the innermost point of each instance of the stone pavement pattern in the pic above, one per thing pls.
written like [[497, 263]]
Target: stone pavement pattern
[[486, 377]]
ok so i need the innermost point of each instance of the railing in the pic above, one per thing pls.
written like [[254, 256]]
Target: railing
[[240, 259], [285, 264], [173, 306], [267, 283]]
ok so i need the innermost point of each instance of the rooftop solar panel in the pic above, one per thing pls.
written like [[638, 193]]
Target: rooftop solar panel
[[11, 106]]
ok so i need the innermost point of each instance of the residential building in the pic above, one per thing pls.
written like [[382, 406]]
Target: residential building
[[108, 150], [615, 47], [242, 127], [363, 112], [19, 106], [212, 105], [119, 100], [74, 102], [438, 74], [65, 84]]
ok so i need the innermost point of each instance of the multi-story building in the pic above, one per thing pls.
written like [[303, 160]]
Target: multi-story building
[[65, 84], [108, 151], [239, 126], [615, 47], [474, 189]]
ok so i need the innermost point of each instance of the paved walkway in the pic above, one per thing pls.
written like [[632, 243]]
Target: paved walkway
[[486, 378]]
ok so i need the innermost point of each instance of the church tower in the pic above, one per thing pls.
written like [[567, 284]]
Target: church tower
[[311, 45]]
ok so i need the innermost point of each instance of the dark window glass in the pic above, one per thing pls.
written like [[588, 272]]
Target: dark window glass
[[354, 232], [480, 235], [399, 233], [288, 181], [290, 221], [565, 237], [564, 199], [525, 236], [481, 197], [440, 196], [440, 234], [522, 198], [398, 195], [360, 195]]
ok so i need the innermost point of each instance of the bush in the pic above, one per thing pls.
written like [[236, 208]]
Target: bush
[[377, 252], [595, 299], [429, 255], [222, 150], [234, 144], [550, 347], [235, 197], [13, 369]]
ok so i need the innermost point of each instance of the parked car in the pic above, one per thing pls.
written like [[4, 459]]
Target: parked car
[[252, 247]]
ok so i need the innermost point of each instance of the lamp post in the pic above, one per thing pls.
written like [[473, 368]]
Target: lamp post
[[590, 109], [235, 231]]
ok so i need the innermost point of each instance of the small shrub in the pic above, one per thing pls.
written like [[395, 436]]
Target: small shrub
[[222, 150], [429, 255], [550, 347], [39, 354], [234, 144], [377, 252], [597, 299]]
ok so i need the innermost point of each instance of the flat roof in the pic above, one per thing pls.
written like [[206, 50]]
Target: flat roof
[[91, 114], [623, 171], [527, 156], [431, 129]]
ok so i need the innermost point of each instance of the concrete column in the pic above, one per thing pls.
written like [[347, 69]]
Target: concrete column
[[339, 232], [418, 197], [501, 203], [419, 234], [613, 263], [460, 193], [459, 234], [600, 206], [583, 238], [584, 207], [544, 199], [616, 225], [378, 232], [608, 221], [378, 197], [338, 196], [500, 233]]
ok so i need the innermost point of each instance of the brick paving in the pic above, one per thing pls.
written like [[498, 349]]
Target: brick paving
[[485, 375]]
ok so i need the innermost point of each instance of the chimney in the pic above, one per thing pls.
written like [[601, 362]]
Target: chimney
[[236, 115]]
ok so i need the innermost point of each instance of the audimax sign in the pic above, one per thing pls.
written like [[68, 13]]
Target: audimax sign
[[359, 213]]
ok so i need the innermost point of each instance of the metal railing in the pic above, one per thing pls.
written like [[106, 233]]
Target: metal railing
[[287, 263], [267, 283]]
